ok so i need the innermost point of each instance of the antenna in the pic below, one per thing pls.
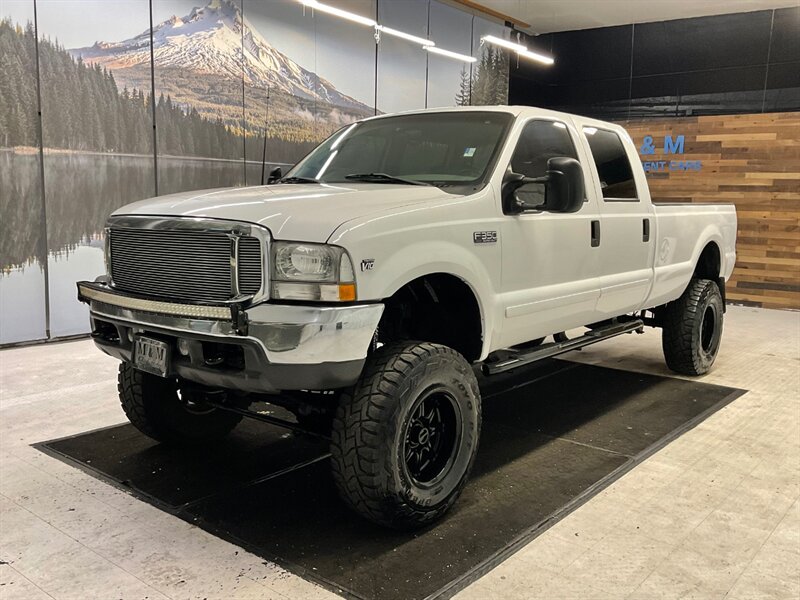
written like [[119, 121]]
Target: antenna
[[264, 150]]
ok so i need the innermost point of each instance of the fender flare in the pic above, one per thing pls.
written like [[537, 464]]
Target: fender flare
[[458, 271]]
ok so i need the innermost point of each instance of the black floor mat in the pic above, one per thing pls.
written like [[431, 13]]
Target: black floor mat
[[553, 435]]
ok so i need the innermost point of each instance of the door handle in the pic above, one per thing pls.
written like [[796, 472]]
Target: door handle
[[595, 234], [646, 230]]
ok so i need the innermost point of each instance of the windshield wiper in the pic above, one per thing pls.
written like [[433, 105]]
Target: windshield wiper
[[382, 178], [299, 180]]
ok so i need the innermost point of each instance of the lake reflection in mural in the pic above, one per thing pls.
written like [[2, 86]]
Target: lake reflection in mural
[[83, 189]]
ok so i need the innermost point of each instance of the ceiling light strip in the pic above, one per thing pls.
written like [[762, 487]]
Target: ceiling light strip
[[404, 35], [504, 43], [338, 12], [542, 58], [519, 49], [450, 54]]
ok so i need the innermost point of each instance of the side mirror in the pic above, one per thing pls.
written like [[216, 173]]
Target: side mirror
[[521, 193], [565, 192], [561, 190], [274, 175]]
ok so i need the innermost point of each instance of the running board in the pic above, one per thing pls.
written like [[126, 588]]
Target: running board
[[561, 345]]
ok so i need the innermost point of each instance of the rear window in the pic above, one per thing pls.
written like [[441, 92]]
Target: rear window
[[613, 166]]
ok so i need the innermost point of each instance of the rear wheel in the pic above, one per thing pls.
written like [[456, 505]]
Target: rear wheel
[[161, 410], [405, 438], [692, 328]]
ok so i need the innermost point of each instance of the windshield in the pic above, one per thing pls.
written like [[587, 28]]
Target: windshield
[[443, 149]]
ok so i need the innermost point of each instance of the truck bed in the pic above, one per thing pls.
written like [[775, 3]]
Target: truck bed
[[679, 226]]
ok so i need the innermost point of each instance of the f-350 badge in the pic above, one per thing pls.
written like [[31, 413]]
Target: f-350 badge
[[484, 237]]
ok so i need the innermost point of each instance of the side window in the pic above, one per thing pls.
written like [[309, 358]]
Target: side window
[[613, 166], [540, 141]]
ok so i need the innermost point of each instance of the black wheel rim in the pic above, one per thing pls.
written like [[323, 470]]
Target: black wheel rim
[[708, 328], [432, 437]]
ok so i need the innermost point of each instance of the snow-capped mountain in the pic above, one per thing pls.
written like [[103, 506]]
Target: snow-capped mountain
[[210, 41]]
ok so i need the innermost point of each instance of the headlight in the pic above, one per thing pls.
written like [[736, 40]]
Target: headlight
[[316, 272]]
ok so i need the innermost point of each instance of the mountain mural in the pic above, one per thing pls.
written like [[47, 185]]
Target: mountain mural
[[201, 60]]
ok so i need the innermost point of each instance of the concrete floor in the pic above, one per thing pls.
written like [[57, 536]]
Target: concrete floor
[[714, 514]]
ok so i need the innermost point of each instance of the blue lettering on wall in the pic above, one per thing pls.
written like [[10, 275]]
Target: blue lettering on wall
[[684, 165], [672, 145], [648, 147]]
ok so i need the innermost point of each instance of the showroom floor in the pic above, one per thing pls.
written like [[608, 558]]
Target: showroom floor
[[714, 514]]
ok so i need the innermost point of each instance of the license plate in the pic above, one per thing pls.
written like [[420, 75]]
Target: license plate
[[151, 356]]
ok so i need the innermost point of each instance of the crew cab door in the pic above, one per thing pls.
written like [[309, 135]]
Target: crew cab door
[[550, 263], [628, 234]]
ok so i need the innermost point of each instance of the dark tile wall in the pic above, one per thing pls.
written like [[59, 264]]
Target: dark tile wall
[[737, 63]]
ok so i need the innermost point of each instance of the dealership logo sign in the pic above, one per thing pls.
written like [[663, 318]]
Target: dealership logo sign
[[672, 145]]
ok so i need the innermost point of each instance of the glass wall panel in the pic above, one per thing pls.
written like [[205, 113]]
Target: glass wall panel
[[489, 75], [97, 131], [197, 49], [451, 29], [345, 66], [401, 63], [281, 62], [22, 241]]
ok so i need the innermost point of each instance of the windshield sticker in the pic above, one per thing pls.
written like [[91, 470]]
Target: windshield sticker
[[469, 152]]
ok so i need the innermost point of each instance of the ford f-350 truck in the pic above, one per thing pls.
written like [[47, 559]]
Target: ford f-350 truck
[[361, 290]]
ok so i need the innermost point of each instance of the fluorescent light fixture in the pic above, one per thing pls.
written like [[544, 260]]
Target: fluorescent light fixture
[[542, 58], [449, 54], [519, 49], [338, 12], [504, 43], [405, 36]]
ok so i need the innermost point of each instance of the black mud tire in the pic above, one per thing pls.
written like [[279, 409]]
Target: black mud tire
[[692, 328], [316, 423], [377, 437], [153, 406]]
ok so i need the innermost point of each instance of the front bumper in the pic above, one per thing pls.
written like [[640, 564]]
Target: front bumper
[[263, 348]]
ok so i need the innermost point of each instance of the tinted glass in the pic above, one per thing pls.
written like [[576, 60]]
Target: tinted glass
[[613, 166], [540, 141], [448, 148]]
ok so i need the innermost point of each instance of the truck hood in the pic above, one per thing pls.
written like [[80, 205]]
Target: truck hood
[[303, 212]]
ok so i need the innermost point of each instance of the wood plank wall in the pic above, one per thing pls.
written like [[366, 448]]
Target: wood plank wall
[[752, 161]]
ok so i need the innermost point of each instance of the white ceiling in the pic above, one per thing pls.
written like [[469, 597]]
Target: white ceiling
[[566, 15]]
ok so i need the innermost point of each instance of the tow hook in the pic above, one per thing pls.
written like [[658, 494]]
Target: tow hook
[[239, 319]]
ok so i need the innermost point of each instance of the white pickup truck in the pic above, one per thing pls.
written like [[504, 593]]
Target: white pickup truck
[[361, 290]]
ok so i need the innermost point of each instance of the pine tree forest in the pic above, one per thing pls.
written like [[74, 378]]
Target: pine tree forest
[[489, 83], [83, 109]]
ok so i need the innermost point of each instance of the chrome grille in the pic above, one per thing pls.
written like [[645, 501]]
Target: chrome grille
[[182, 264], [250, 265]]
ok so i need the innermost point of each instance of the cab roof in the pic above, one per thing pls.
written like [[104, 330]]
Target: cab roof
[[517, 111]]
